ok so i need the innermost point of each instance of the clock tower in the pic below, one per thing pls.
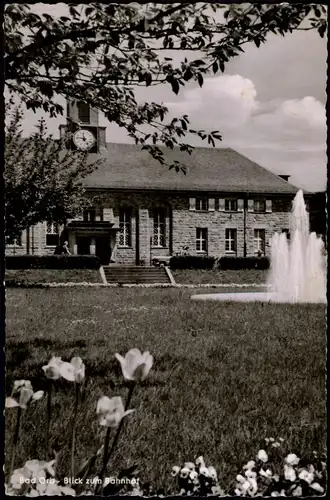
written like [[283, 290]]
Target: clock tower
[[82, 129]]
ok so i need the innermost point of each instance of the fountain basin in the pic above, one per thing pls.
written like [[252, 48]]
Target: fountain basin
[[253, 297]]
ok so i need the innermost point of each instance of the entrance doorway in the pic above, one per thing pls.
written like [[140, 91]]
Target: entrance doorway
[[83, 243], [103, 249]]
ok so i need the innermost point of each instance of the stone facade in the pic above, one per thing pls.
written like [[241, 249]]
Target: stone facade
[[180, 222]]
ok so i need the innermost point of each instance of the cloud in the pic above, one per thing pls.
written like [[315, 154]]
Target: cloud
[[273, 133]]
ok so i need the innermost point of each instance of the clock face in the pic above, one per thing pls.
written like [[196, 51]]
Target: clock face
[[84, 139]]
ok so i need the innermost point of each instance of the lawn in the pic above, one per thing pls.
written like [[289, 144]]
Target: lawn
[[225, 375], [53, 275], [216, 276]]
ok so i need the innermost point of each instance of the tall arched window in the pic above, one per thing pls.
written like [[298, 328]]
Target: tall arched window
[[159, 230], [125, 226]]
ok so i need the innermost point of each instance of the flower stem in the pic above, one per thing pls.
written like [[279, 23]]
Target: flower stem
[[15, 441], [74, 430], [107, 455], [49, 416]]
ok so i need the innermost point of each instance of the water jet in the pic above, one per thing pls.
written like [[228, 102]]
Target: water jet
[[297, 266]]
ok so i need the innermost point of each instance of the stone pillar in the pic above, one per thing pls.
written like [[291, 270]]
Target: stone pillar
[[144, 236], [92, 246]]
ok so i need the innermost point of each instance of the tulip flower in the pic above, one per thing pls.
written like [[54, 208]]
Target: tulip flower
[[73, 371], [290, 473], [317, 487], [22, 394], [111, 411], [304, 475], [135, 366], [52, 369], [292, 459], [262, 455], [190, 465], [212, 473], [184, 473], [250, 465], [175, 470]]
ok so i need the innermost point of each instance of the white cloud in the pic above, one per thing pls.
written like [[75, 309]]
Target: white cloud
[[275, 133]]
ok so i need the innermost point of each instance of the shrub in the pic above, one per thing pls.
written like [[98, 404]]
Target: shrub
[[238, 263], [192, 262], [52, 262]]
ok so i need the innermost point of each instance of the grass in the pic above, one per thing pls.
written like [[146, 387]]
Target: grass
[[54, 275], [216, 276], [225, 376]]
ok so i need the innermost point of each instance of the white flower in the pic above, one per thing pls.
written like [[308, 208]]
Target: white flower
[[193, 475], [111, 411], [135, 365], [15, 480], [175, 470], [240, 478], [292, 459], [184, 473], [317, 487], [304, 475], [262, 455], [189, 465], [250, 473], [52, 370], [250, 465], [275, 494], [73, 371], [200, 461], [289, 473], [297, 492], [265, 473], [212, 473], [276, 444], [204, 471], [22, 395], [238, 492], [79, 369]]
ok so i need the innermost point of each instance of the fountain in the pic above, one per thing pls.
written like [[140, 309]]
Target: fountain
[[297, 267]]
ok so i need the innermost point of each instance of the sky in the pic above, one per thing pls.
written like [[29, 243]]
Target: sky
[[268, 105]]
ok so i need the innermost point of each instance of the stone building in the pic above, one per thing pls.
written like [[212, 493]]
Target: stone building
[[224, 205]]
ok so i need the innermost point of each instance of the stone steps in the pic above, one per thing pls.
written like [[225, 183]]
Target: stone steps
[[135, 275]]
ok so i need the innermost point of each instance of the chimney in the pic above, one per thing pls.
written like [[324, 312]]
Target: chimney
[[285, 177]]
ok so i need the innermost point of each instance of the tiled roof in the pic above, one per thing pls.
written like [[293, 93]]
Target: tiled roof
[[126, 166]]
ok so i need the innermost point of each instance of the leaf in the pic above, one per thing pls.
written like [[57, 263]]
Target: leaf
[[200, 79], [148, 79], [222, 66], [175, 86], [215, 67], [257, 42]]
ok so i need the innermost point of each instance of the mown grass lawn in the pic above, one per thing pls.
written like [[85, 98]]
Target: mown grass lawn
[[225, 375], [216, 276], [53, 275]]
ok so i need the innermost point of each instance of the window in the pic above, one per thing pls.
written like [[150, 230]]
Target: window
[[159, 228], [259, 241], [94, 214], [259, 206], [231, 241], [202, 204], [201, 239], [231, 205], [52, 234], [84, 112], [125, 226]]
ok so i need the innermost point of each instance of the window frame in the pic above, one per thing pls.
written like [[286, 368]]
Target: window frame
[[257, 239], [201, 238], [54, 232], [159, 223], [256, 206], [229, 239], [84, 112], [200, 200], [230, 201], [125, 227]]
